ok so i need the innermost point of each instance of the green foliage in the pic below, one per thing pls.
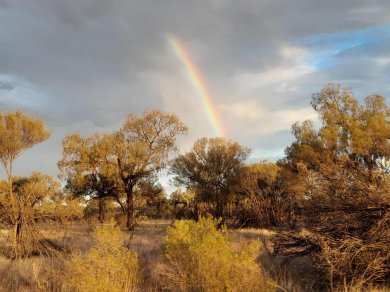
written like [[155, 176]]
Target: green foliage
[[203, 258], [108, 266]]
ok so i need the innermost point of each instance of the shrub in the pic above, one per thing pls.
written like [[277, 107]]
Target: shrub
[[61, 209], [202, 258], [108, 266]]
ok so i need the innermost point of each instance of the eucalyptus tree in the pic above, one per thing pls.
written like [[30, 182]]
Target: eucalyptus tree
[[85, 168], [141, 148]]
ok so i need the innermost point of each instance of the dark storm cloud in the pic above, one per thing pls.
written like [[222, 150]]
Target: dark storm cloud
[[82, 65], [4, 85]]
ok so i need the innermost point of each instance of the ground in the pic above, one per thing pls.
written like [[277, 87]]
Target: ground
[[40, 273]]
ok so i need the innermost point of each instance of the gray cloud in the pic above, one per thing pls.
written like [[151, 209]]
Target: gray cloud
[[82, 65], [4, 85]]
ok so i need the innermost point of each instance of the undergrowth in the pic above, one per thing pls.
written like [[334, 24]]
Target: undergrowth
[[108, 266], [200, 257]]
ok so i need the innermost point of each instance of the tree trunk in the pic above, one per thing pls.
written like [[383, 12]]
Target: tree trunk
[[121, 205], [130, 222], [101, 209], [20, 245], [18, 240], [220, 209], [196, 212], [15, 215]]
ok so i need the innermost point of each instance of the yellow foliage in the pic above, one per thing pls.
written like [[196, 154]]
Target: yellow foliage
[[202, 258], [108, 266], [62, 210]]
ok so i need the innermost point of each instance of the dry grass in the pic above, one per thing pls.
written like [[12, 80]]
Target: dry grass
[[146, 240], [31, 274], [294, 276], [48, 274], [108, 266]]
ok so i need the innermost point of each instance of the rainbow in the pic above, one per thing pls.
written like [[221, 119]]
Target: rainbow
[[195, 76]]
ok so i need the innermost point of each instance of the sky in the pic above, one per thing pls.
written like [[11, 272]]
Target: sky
[[83, 65]]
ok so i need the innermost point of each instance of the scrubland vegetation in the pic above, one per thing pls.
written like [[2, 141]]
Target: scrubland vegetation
[[316, 220]]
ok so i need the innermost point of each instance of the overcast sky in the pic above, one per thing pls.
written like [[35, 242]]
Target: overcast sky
[[82, 65]]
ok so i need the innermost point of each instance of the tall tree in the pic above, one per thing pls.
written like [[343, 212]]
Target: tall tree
[[18, 132], [86, 169], [212, 168], [141, 148]]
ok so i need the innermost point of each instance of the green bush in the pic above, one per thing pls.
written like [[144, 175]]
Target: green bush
[[202, 258], [108, 266]]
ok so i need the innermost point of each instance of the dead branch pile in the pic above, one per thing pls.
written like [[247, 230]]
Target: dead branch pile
[[353, 259]]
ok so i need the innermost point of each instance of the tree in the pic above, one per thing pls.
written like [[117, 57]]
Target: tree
[[18, 132], [141, 148], [183, 205], [212, 168], [342, 187], [30, 193], [263, 201], [86, 169], [149, 196]]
